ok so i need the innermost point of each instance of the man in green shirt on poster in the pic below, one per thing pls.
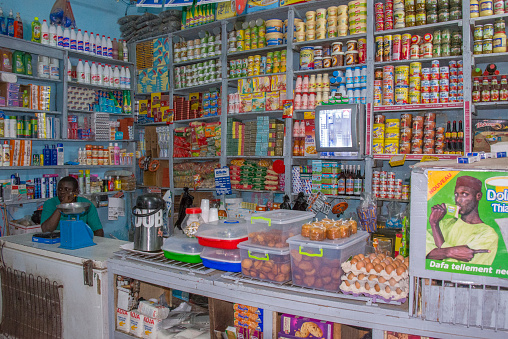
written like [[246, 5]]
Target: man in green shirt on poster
[[67, 192], [467, 239]]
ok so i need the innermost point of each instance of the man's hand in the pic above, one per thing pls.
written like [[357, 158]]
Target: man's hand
[[68, 198], [463, 253], [437, 214]]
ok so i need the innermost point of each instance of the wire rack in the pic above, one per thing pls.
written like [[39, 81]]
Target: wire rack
[[289, 286], [161, 260], [31, 306]]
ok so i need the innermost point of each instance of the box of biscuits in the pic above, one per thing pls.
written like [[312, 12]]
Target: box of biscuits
[[292, 326]]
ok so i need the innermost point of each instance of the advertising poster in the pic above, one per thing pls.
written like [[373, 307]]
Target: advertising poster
[[467, 222]]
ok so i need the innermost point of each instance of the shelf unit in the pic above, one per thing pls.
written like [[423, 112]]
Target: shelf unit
[[59, 102]]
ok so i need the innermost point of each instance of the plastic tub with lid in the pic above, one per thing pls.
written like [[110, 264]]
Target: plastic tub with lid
[[182, 248], [265, 263], [226, 234], [221, 259], [273, 228], [316, 264]]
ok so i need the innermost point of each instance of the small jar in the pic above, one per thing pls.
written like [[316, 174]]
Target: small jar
[[192, 221]]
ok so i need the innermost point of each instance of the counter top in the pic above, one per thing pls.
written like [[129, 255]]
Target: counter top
[[99, 253]]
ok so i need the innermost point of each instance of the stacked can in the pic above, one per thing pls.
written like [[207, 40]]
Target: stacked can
[[247, 35], [386, 186], [198, 74], [273, 62], [409, 13], [206, 47], [357, 11], [401, 85]]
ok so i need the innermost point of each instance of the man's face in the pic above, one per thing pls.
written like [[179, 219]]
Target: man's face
[[467, 199], [66, 189]]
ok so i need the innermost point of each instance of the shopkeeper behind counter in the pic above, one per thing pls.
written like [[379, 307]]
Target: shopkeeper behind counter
[[67, 192]]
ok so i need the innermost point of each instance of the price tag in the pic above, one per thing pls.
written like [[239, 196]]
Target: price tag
[[222, 181], [429, 158]]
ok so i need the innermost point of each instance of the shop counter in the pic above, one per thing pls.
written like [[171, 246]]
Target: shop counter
[[285, 298], [42, 274]]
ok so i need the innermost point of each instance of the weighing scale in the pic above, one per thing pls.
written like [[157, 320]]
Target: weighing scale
[[75, 233]]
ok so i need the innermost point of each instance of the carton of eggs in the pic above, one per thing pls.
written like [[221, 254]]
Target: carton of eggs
[[376, 276]]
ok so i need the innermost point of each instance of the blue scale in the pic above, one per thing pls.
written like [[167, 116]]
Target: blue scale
[[75, 233]]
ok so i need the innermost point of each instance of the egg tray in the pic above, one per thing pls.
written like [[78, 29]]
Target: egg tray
[[403, 284], [347, 268], [374, 297], [386, 296]]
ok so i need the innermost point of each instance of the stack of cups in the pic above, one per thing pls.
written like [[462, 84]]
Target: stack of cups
[[342, 20], [320, 23], [357, 16], [399, 15], [332, 22], [310, 25], [388, 15]]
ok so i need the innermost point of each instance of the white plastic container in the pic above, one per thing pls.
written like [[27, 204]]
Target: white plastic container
[[273, 228], [265, 263], [316, 264]]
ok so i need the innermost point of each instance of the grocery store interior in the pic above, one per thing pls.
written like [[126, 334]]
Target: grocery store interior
[[359, 189]]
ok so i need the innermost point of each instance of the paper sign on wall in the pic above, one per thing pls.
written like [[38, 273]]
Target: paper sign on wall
[[222, 181]]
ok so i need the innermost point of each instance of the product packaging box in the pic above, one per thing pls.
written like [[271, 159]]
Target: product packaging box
[[291, 2], [245, 86], [487, 133], [300, 327], [256, 5], [310, 137], [261, 84], [258, 102], [225, 10], [278, 82]]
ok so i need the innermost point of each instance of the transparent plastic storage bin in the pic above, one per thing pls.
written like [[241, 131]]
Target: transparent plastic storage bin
[[182, 248], [226, 234], [316, 264], [221, 259], [273, 228], [265, 263]]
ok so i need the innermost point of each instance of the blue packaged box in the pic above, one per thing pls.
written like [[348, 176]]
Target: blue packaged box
[[261, 5]]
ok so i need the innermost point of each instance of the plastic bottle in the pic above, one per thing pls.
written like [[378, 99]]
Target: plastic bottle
[[119, 52], [52, 35], [127, 78], [6, 156], [122, 77], [104, 44], [111, 151], [60, 157], [86, 43], [28, 64], [110, 47], [79, 41], [80, 70], [305, 84], [114, 52], [116, 79], [36, 30], [10, 24], [105, 76], [93, 74], [54, 155], [87, 181], [69, 70], [118, 184], [18, 65], [92, 44], [299, 83], [47, 155], [73, 43], [86, 70], [100, 75], [117, 154], [18, 27], [59, 36], [3, 24], [66, 38], [98, 45], [25, 99], [125, 52]]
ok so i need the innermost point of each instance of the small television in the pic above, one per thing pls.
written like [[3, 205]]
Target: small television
[[340, 130]]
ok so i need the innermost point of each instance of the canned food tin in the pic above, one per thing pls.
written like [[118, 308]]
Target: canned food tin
[[405, 120], [432, 17], [426, 50], [396, 47], [414, 96], [401, 95], [443, 97], [351, 57], [406, 134], [379, 48], [415, 83], [405, 148], [337, 46], [405, 46], [478, 32], [410, 19], [414, 53], [307, 58], [402, 75], [415, 69], [387, 47], [379, 119], [352, 45], [388, 72]]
